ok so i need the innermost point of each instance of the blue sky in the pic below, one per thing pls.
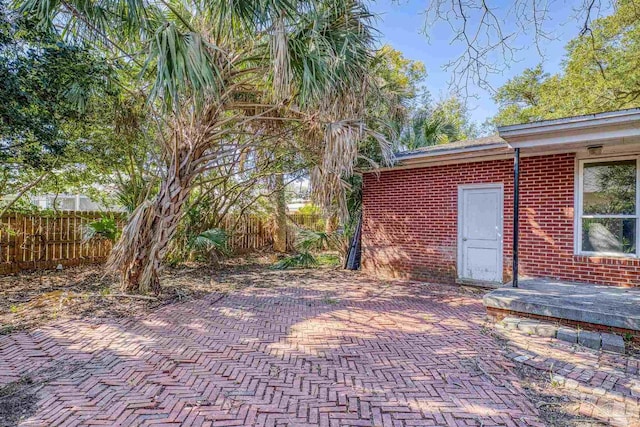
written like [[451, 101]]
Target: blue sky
[[401, 24]]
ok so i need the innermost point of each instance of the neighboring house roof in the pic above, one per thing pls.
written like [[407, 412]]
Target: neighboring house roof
[[493, 141], [70, 202]]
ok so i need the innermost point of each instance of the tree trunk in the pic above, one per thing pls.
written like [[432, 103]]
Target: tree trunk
[[139, 253], [331, 223], [280, 231]]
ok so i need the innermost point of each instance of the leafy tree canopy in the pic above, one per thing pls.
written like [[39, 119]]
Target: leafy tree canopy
[[601, 72], [397, 86], [65, 121], [45, 84]]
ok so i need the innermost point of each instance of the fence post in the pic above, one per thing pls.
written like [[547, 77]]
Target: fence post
[[61, 240]]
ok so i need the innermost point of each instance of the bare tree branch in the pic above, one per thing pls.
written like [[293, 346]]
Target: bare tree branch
[[492, 37]]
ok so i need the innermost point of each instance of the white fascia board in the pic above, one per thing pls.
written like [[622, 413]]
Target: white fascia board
[[577, 139], [452, 152], [583, 129], [591, 120], [441, 160]]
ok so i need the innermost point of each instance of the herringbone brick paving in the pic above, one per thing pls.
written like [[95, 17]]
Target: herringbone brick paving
[[603, 386], [343, 351]]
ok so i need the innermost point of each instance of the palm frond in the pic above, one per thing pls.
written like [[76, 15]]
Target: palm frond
[[219, 68], [212, 239], [182, 62], [307, 240], [301, 260]]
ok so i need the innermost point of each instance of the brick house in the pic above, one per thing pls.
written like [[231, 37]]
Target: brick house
[[446, 213]]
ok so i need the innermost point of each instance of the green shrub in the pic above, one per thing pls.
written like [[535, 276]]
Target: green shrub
[[306, 242], [104, 228], [328, 260], [309, 240]]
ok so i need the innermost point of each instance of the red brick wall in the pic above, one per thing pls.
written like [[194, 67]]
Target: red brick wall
[[410, 222], [410, 217]]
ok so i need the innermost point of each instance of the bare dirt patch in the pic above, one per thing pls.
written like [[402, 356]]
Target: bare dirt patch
[[19, 399], [29, 300], [556, 407], [32, 299]]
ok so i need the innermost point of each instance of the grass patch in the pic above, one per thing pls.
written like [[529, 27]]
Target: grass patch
[[328, 260], [7, 329], [306, 259]]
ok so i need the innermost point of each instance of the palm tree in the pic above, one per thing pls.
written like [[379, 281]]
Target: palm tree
[[213, 71], [425, 129]]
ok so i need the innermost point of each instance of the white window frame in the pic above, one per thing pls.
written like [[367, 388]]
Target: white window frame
[[578, 208]]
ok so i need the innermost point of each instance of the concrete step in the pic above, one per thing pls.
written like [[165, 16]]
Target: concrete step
[[595, 340], [587, 304]]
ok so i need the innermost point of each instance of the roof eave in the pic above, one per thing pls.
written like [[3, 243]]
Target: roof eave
[[497, 151], [455, 151], [595, 127]]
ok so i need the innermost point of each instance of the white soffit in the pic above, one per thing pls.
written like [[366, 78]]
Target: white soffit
[[464, 156], [618, 127]]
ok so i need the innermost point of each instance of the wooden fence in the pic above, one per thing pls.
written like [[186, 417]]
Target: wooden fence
[[246, 234], [311, 222], [42, 241]]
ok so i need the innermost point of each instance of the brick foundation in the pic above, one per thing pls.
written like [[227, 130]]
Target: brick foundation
[[410, 222]]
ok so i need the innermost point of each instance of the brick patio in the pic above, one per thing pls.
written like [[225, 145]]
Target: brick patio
[[603, 387], [293, 351]]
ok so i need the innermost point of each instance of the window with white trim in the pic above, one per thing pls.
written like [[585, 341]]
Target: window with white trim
[[608, 199]]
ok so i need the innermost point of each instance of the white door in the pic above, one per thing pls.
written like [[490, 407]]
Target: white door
[[480, 232]]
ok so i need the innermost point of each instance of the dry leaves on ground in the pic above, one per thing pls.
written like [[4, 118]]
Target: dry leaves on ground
[[28, 300], [32, 299]]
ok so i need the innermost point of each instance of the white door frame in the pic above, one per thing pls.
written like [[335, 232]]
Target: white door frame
[[461, 188]]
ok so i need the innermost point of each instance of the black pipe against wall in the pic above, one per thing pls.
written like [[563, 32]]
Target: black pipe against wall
[[516, 215]]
